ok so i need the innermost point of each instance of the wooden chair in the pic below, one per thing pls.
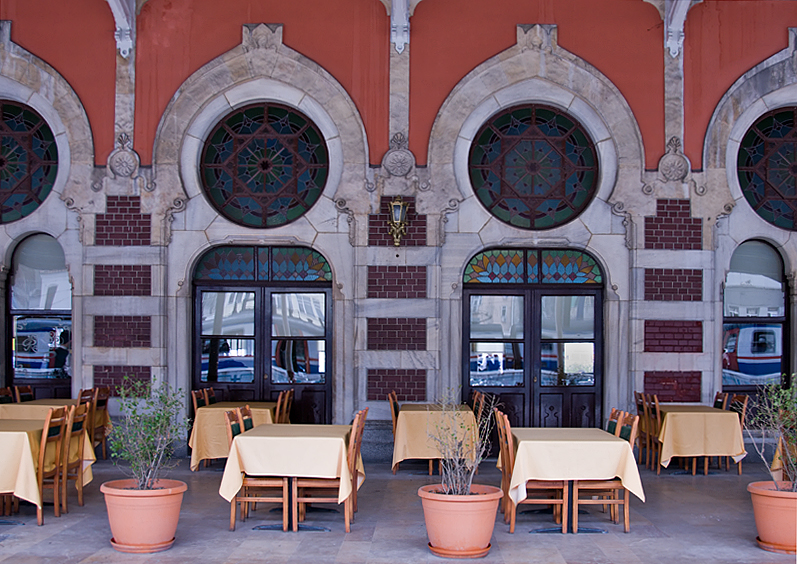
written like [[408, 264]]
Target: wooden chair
[[245, 418], [72, 464], [278, 409], [738, 404], [607, 492], [198, 399], [555, 491], [643, 444], [23, 393], [287, 404], [721, 400], [392, 399], [328, 488], [101, 431], [89, 396], [612, 426], [506, 470], [48, 472], [6, 396], [478, 404], [255, 488], [653, 414], [210, 396]]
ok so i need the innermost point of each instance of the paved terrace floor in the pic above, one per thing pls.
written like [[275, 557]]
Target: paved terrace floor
[[706, 519]]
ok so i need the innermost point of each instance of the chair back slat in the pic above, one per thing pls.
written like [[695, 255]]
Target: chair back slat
[[392, 398], [738, 404], [245, 417], [612, 425], [6, 396], [232, 424], [210, 396], [23, 393], [721, 400], [629, 428]]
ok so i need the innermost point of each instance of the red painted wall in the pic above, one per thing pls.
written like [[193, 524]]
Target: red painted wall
[[622, 38], [348, 38], [76, 38], [716, 54]]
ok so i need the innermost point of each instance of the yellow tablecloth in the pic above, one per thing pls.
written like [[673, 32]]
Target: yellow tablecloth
[[571, 454], [37, 409], [209, 436], [304, 451], [699, 430], [415, 422], [20, 441]]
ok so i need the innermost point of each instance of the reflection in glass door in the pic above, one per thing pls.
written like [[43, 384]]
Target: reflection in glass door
[[533, 337], [257, 337]]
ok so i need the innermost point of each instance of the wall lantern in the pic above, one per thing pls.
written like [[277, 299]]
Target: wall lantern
[[397, 219]]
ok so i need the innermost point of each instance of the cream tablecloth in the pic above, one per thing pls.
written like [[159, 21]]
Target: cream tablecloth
[[20, 441], [305, 451], [571, 454], [415, 422], [208, 438], [37, 409], [699, 430]]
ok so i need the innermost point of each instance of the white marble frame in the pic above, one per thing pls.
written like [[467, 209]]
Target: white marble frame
[[261, 68], [770, 85], [27, 79]]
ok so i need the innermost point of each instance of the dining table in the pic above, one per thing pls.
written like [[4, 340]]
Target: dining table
[[37, 409], [208, 439], [572, 454], [20, 441], [292, 451], [415, 423], [690, 430]]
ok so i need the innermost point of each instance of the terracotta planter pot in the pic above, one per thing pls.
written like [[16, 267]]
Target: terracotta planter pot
[[143, 520], [775, 516], [460, 526]]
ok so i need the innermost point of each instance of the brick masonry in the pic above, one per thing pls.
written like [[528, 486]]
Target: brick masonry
[[379, 232], [122, 331], [673, 285], [410, 384], [114, 375], [397, 282], [674, 386], [122, 280], [391, 334], [665, 335], [673, 227], [123, 224]]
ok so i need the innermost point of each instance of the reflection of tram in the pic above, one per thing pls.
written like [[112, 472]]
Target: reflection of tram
[[751, 354], [497, 364]]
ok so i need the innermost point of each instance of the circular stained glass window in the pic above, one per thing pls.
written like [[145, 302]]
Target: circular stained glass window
[[767, 167], [264, 165], [533, 167], [28, 161]]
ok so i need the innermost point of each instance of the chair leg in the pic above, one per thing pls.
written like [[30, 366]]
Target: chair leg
[[233, 503], [512, 514], [575, 508], [431, 466], [295, 492], [395, 468], [626, 511], [566, 505], [739, 467], [285, 508]]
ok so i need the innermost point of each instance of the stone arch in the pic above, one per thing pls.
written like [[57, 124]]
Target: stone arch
[[536, 69], [29, 80]]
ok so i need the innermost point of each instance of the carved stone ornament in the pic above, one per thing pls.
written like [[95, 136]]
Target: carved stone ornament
[[399, 160], [123, 164], [673, 165], [261, 36], [540, 37]]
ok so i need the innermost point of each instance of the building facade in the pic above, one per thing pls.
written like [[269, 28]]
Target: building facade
[[599, 198]]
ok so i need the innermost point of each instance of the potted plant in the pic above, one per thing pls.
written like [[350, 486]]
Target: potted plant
[[772, 428], [143, 510], [460, 515]]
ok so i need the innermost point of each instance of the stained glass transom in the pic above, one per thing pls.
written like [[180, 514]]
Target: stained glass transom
[[520, 266], [498, 266], [293, 264], [569, 267], [299, 264], [28, 161], [227, 263], [533, 167], [767, 168], [264, 165]]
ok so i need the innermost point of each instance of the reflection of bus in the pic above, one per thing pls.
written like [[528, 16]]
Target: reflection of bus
[[496, 364], [39, 347], [751, 354]]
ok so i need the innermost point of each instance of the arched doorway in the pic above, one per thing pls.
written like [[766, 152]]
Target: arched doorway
[[533, 334], [263, 324], [40, 318], [755, 333]]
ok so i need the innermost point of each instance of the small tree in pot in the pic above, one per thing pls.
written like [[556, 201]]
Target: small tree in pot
[[772, 427], [460, 515], [144, 510]]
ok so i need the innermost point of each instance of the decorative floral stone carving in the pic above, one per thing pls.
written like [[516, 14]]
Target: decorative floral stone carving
[[673, 165], [399, 160]]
